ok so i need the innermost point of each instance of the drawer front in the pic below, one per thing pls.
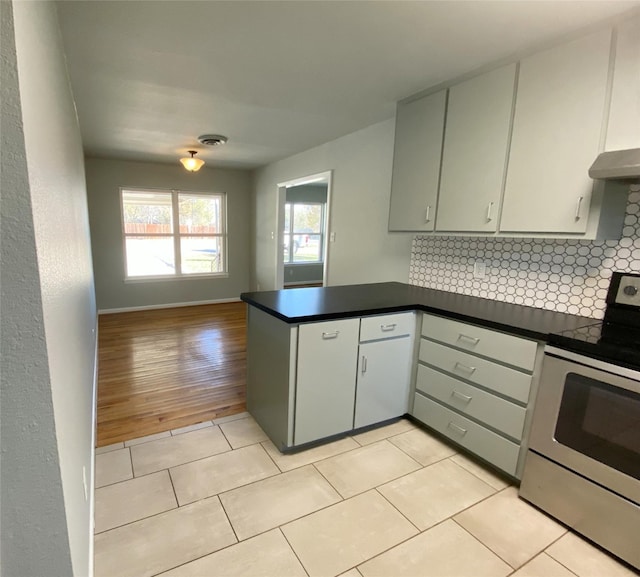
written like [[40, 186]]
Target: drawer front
[[484, 443], [491, 410], [507, 349], [387, 326], [503, 380]]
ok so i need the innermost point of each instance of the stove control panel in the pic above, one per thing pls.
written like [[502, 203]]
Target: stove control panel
[[628, 292]]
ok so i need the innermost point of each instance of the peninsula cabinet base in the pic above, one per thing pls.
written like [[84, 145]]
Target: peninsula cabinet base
[[315, 382]]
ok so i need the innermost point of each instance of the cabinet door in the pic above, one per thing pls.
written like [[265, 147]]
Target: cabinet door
[[624, 117], [557, 127], [416, 163], [475, 152], [326, 381], [384, 370]]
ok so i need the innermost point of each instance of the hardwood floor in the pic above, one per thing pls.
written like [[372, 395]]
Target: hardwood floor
[[169, 368]]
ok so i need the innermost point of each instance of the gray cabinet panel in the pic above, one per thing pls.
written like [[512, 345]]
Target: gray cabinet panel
[[326, 380], [560, 107], [416, 163], [484, 443], [384, 371], [491, 410], [475, 152], [503, 380]]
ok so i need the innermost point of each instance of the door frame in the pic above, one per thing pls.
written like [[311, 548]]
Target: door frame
[[281, 197]]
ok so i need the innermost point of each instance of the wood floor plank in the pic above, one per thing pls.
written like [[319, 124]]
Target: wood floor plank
[[168, 368]]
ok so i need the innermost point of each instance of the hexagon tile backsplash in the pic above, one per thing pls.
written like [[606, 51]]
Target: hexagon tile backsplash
[[569, 276]]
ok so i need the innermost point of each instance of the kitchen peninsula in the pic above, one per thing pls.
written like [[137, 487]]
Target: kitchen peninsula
[[324, 361]]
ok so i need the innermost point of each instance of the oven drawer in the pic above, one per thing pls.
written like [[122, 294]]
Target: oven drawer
[[505, 348], [387, 326], [503, 380], [491, 410], [484, 443]]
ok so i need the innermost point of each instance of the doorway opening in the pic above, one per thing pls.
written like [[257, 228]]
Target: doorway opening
[[303, 230]]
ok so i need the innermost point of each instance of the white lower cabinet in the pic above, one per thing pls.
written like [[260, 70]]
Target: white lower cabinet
[[384, 372], [351, 373], [474, 386], [326, 379]]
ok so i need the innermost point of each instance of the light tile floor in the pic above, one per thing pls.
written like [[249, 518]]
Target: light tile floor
[[219, 500]]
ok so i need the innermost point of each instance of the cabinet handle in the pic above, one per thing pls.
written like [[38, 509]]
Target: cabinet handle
[[364, 364], [465, 398], [464, 368], [333, 335], [387, 328], [489, 217], [457, 428], [427, 216], [473, 340], [579, 206]]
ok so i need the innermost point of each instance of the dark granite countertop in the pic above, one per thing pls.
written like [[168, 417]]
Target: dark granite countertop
[[318, 304]]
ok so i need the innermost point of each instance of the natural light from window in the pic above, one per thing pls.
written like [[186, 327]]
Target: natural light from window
[[173, 233], [303, 236]]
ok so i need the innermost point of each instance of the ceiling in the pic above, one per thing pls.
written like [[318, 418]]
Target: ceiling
[[279, 78]]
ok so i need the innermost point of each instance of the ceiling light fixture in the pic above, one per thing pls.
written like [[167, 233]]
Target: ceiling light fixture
[[191, 163]]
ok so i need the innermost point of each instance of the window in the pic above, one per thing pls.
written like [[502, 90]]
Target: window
[[174, 234], [303, 236]]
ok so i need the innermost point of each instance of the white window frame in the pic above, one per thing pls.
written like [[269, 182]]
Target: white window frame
[[176, 234], [323, 208]]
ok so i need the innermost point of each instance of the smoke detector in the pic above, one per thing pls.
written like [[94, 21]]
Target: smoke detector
[[212, 139]]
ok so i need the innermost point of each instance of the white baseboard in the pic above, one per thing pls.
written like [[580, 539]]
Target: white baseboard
[[167, 306]]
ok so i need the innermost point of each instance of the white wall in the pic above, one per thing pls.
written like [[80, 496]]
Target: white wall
[[48, 307], [104, 179], [364, 251]]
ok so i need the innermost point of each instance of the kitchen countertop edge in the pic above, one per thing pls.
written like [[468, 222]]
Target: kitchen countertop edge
[[417, 300]]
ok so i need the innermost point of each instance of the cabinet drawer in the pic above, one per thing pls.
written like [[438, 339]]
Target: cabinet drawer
[[495, 345], [503, 380], [491, 410], [386, 326], [484, 443]]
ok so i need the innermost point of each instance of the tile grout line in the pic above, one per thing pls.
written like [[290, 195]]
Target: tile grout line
[[484, 545], [279, 528], [400, 512], [157, 515], [567, 532], [175, 495], [487, 546]]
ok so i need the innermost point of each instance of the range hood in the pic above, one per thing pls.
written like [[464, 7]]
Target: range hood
[[617, 165]]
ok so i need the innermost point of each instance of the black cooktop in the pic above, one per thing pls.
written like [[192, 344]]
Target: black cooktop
[[602, 340]]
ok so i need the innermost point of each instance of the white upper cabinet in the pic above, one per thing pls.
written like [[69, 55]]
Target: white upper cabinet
[[557, 128], [475, 152], [416, 163], [624, 117]]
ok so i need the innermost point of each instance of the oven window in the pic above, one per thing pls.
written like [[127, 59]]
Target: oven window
[[602, 422]]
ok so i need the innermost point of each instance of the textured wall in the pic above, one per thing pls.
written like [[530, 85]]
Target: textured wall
[[569, 276], [48, 307]]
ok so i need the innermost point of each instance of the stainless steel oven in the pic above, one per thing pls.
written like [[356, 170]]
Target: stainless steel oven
[[583, 462]]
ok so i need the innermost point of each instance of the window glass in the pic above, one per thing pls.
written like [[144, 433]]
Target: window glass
[[147, 213], [201, 255], [171, 233], [150, 256], [303, 232], [200, 214]]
